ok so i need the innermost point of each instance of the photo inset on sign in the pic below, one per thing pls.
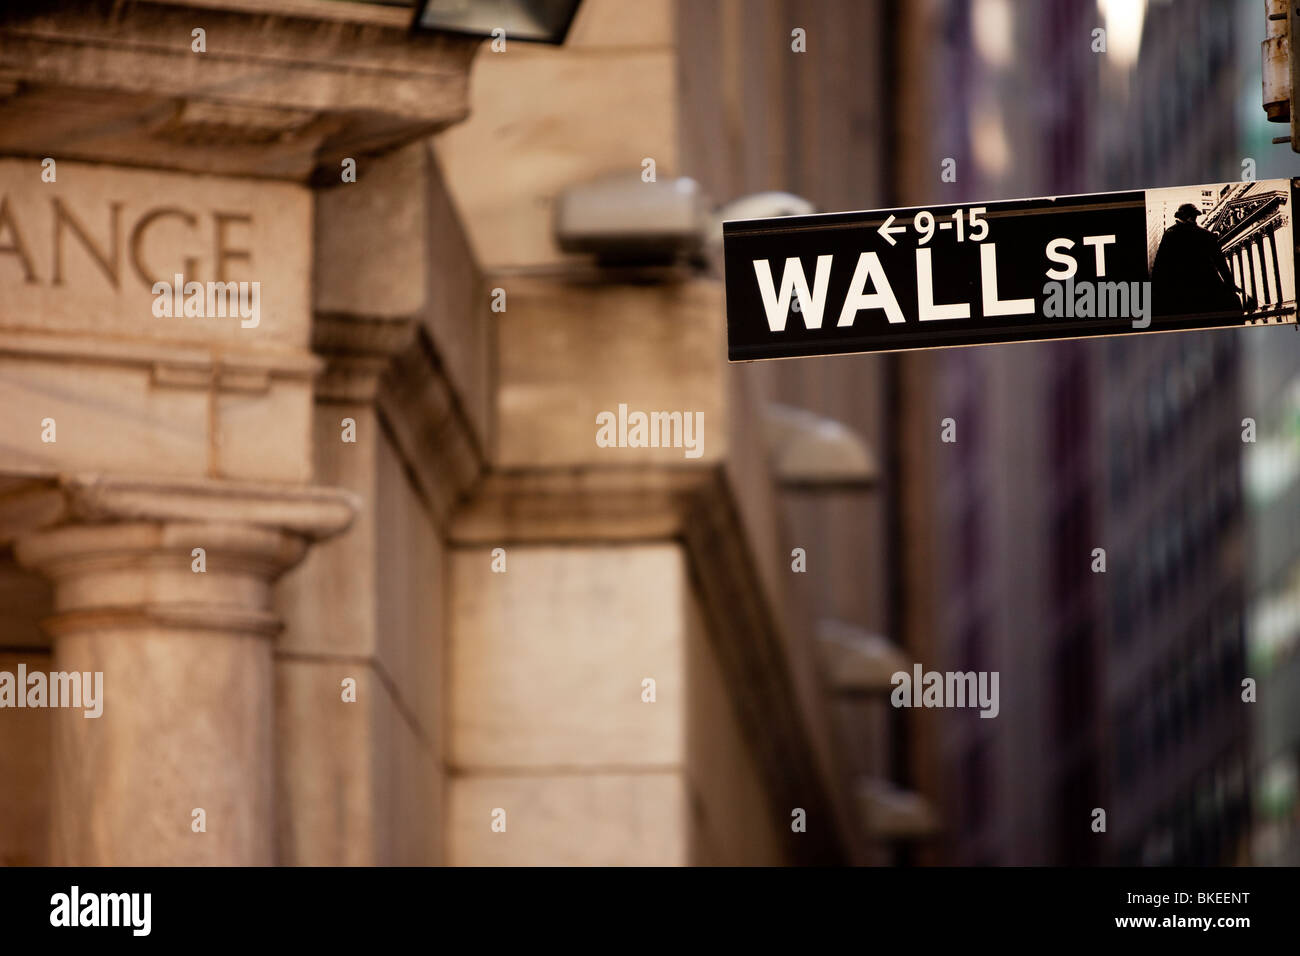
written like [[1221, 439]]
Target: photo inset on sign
[[1214, 248]]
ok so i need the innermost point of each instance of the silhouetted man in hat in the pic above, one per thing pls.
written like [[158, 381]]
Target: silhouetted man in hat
[[1191, 274]]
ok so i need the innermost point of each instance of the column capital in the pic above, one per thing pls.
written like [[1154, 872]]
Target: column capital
[[121, 551], [33, 502]]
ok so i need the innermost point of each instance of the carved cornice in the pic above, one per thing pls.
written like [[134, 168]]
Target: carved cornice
[[357, 350], [423, 413], [284, 87], [588, 504]]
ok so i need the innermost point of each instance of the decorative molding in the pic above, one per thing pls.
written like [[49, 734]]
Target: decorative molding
[[172, 617], [207, 125], [746, 629], [356, 351], [28, 503], [364, 13], [857, 663], [419, 406], [349, 334], [391, 362], [813, 452], [311, 513], [582, 503], [284, 89], [890, 813], [171, 366]]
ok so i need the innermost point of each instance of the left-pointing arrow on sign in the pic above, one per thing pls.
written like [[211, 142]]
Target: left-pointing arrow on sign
[[887, 227]]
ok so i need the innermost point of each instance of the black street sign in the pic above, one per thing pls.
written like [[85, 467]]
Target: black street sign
[[1154, 260]]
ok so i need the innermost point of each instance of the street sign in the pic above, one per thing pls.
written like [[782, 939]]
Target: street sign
[[1154, 260]]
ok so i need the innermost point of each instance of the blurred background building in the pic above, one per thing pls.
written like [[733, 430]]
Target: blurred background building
[[1128, 687], [499, 586]]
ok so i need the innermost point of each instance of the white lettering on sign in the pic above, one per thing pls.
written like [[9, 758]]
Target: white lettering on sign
[[926, 310], [989, 284], [1100, 242], [811, 304], [1054, 253], [870, 270], [967, 224]]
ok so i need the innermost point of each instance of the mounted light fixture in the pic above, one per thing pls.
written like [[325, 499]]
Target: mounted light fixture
[[538, 21], [621, 219]]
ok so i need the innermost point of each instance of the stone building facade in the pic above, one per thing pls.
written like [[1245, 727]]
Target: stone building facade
[[1246, 221], [361, 585]]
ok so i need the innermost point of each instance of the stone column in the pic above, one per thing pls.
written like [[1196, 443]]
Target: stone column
[[1247, 275], [183, 641], [1277, 270], [1265, 271], [1264, 278], [1257, 272], [1248, 269]]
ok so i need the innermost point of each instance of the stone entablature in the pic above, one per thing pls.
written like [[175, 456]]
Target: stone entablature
[[281, 89]]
